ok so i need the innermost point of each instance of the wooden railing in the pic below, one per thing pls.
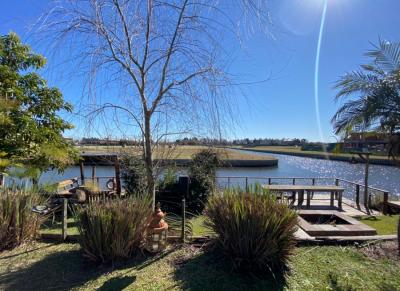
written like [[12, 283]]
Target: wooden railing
[[353, 190]]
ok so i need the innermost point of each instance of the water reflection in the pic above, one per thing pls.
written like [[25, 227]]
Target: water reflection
[[384, 177]]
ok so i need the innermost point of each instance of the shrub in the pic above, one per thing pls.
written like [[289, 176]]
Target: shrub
[[254, 231], [202, 172], [133, 174], [18, 224], [115, 229]]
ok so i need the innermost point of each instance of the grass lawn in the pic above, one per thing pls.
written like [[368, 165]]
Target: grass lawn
[[44, 266], [385, 224]]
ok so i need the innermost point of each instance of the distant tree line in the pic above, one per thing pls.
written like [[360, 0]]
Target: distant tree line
[[199, 141]]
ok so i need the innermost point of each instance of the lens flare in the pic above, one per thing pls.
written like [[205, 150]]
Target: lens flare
[[316, 74]]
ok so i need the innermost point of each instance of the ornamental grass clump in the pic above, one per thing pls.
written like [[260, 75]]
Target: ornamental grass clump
[[255, 231], [18, 223], [115, 229]]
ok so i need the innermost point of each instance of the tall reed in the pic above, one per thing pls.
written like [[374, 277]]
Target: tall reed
[[255, 232], [115, 229], [18, 224]]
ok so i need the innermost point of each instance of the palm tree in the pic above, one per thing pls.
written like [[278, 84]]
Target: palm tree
[[377, 90]]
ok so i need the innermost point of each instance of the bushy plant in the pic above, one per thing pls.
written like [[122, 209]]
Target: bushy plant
[[254, 230], [115, 229], [18, 224], [202, 172], [133, 174]]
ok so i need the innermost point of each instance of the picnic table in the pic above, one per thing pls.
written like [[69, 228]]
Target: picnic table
[[309, 190]]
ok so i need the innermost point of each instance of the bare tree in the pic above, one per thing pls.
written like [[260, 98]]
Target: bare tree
[[166, 55]]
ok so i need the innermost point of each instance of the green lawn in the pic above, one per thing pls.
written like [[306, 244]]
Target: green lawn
[[44, 266], [385, 224], [55, 228]]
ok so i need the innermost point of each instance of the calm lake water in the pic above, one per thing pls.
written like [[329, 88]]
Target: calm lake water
[[383, 177]]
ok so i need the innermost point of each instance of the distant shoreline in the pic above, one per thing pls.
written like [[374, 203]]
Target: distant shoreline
[[181, 156], [322, 156]]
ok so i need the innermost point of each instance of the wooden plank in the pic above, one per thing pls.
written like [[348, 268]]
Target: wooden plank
[[64, 219]]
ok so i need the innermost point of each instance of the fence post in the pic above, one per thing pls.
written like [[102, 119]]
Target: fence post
[[247, 183], [183, 220], [64, 218], [313, 181], [385, 202], [369, 201], [93, 173], [82, 170], [229, 182], [337, 182], [269, 181], [358, 195], [117, 175], [294, 181]]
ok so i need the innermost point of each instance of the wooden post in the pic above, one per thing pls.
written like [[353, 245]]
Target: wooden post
[[385, 203], [366, 198], [337, 182], [247, 183], [81, 167], [93, 173], [294, 181], [269, 181], [358, 195], [64, 219], [117, 175], [229, 182], [183, 220], [313, 181]]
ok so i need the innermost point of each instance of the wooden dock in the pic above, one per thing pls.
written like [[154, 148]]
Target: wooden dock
[[349, 207], [394, 204]]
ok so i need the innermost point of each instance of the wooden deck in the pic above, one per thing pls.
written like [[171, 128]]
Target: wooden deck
[[395, 204], [349, 207], [322, 202]]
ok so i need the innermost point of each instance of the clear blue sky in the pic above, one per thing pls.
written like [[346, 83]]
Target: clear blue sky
[[284, 106]]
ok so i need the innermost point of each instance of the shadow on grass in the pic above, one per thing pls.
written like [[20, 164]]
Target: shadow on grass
[[369, 218], [63, 270], [118, 283], [210, 271]]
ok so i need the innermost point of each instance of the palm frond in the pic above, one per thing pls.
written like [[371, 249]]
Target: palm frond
[[386, 55], [355, 82]]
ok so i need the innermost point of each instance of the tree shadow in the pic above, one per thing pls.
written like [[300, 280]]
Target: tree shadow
[[64, 270], [211, 271], [118, 283]]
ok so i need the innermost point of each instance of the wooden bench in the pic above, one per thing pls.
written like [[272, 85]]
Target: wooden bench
[[309, 189]]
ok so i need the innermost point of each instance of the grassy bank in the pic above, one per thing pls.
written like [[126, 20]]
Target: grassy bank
[[179, 152], [179, 155], [296, 151], [44, 266], [385, 224]]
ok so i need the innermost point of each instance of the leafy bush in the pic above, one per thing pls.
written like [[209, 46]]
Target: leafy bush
[[115, 229], [18, 224], [202, 172], [254, 231], [133, 174]]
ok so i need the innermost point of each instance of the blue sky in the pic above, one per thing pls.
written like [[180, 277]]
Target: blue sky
[[284, 106]]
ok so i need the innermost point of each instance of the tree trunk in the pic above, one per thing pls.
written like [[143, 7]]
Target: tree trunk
[[148, 159]]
